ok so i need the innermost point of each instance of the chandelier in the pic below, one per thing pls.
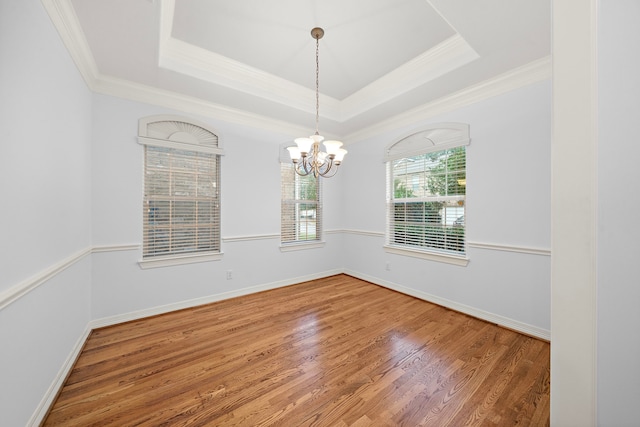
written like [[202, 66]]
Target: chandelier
[[306, 155]]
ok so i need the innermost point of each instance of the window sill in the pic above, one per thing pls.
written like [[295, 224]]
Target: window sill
[[459, 260], [289, 247], [171, 260]]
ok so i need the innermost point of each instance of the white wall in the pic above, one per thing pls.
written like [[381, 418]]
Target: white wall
[[45, 110], [508, 180], [45, 185], [618, 200], [72, 167], [71, 179], [250, 219]]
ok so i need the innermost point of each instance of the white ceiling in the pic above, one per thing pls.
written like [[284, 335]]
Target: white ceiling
[[379, 59]]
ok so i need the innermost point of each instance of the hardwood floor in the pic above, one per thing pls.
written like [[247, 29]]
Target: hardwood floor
[[332, 352]]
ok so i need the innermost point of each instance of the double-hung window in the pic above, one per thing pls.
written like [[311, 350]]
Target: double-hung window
[[181, 204], [301, 208], [426, 194]]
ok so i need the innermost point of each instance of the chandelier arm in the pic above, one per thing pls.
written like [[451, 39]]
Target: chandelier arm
[[306, 166], [328, 163], [299, 167], [326, 173], [329, 168]]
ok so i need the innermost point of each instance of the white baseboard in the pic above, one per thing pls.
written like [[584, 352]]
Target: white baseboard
[[153, 311], [506, 322], [47, 400], [42, 409]]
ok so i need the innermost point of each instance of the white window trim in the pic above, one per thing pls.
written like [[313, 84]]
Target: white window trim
[[171, 260], [180, 143], [457, 135], [299, 246], [447, 135], [431, 255], [290, 246]]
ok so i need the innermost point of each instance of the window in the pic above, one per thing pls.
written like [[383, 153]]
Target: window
[[301, 210], [181, 204], [426, 193]]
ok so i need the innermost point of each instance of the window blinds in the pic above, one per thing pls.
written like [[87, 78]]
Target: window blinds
[[181, 202], [301, 211], [426, 201]]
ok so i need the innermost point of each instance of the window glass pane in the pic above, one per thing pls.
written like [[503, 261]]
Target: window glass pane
[[183, 239], [205, 166], [158, 242], [300, 206], [184, 212], [205, 186], [206, 212], [159, 158], [307, 185], [437, 182], [205, 238], [183, 184], [181, 208], [183, 160], [457, 183], [158, 213]]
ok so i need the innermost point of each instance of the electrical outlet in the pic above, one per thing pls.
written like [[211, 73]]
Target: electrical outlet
[[229, 274], [388, 266]]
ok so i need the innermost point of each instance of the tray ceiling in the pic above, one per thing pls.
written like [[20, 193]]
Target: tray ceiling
[[254, 60]]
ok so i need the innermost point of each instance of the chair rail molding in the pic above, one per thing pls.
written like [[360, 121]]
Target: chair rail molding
[[16, 292]]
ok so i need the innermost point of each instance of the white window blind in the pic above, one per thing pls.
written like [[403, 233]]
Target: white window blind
[[181, 204], [426, 192], [301, 210]]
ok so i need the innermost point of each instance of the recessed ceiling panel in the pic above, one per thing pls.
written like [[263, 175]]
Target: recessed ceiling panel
[[253, 61], [364, 39]]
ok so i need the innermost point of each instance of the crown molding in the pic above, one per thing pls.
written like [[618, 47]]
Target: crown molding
[[167, 8], [184, 58], [533, 72], [441, 59], [451, 53], [65, 20], [151, 95], [525, 75]]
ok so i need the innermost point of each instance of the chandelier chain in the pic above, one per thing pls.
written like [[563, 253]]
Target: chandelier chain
[[307, 157], [317, 84]]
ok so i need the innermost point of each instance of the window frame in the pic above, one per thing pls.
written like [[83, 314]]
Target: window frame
[[181, 136], [287, 168], [431, 139]]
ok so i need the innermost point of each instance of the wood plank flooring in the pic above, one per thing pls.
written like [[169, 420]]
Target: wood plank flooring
[[331, 352]]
